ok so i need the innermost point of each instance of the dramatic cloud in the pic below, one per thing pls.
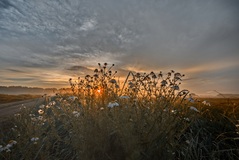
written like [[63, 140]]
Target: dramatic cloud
[[42, 42]]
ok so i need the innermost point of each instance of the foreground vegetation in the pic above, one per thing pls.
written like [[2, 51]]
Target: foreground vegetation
[[6, 98], [148, 117]]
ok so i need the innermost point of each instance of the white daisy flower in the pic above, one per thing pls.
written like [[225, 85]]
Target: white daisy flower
[[40, 111], [124, 97], [34, 140], [113, 104], [194, 109], [76, 113], [206, 103], [72, 98], [1, 148], [42, 106]]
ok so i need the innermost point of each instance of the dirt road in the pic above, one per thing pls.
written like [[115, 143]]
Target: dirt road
[[8, 109]]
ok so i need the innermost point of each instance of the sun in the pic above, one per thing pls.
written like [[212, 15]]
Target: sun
[[98, 91]]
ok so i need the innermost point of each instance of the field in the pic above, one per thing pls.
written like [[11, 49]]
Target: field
[[5, 98], [147, 118]]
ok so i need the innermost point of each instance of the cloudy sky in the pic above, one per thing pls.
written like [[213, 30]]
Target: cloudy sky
[[43, 43]]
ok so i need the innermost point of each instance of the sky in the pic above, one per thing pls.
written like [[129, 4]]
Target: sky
[[44, 43]]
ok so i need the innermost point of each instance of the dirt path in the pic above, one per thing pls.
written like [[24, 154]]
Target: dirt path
[[9, 109]]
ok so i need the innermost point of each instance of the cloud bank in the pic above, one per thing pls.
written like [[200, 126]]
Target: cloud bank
[[45, 42]]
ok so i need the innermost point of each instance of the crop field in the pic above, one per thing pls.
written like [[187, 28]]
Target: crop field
[[149, 117]]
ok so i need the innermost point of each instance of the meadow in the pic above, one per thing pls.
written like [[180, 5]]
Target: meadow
[[148, 117], [5, 98]]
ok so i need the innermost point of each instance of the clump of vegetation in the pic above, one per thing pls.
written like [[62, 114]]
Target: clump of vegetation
[[146, 117]]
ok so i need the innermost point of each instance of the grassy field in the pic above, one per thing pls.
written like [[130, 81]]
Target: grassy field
[[5, 98], [149, 119]]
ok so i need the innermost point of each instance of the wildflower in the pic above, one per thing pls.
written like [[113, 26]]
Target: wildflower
[[34, 119], [131, 84], [1, 148], [8, 146], [40, 111], [58, 107], [187, 119], [42, 106], [76, 113], [34, 140], [164, 82], [52, 103], [154, 76], [113, 104], [206, 103], [113, 81], [124, 97], [12, 142], [87, 76], [7, 150], [137, 75], [40, 118], [88, 86], [152, 73], [175, 87], [177, 75], [17, 115], [160, 74], [190, 99], [194, 109], [177, 78], [72, 98], [23, 107], [32, 115]]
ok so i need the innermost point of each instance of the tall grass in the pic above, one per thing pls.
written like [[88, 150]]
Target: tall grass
[[146, 117]]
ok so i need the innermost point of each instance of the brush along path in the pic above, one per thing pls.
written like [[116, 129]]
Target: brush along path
[[8, 109]]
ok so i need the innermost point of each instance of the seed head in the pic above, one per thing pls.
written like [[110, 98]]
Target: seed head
[[40, 111]]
